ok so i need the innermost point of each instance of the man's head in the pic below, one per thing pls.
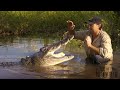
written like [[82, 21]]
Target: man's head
[[95, 23], [94, 20]]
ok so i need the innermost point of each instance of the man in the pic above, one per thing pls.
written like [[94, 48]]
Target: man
[[97, 43]]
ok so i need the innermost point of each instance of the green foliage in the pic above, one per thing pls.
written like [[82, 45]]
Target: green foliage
[[48, 21], [54, 22]]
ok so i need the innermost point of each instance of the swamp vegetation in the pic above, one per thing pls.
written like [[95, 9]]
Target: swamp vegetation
[[53, 23]]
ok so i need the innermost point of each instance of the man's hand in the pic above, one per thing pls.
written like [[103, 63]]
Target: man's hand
[[70, 26], [88, 41]]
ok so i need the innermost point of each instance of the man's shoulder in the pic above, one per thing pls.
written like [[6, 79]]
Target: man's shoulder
[[104, 34]]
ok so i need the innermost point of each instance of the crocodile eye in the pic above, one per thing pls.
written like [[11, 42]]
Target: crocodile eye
[[43, 49]]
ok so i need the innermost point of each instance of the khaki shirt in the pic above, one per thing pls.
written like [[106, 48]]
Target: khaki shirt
[[102, 41]]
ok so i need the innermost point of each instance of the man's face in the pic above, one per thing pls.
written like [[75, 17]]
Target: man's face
[[93, 27], [90, 26]]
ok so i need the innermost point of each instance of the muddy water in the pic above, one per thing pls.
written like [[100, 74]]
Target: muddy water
[[17, 48]]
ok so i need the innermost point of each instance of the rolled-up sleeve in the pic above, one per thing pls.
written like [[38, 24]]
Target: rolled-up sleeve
[[106, 47]]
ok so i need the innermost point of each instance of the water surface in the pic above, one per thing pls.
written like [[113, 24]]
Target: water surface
[[12, 50]]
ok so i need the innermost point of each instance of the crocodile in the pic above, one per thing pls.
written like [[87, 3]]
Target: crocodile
[[46, 56]]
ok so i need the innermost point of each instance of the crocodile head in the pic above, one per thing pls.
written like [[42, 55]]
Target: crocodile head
[[47, 55]]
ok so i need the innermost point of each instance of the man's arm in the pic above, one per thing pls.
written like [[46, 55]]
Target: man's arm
[[77, 34], [95, 49], [88, 42], [106, 48]]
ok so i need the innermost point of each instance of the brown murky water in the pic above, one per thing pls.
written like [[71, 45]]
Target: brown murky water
[[13, 51]]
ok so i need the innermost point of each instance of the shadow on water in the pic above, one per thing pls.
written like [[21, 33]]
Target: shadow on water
[[13, 49]]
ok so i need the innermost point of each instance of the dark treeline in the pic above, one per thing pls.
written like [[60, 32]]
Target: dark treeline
[[54, 22]]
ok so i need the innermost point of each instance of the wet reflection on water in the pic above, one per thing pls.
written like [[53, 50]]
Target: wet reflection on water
[[68, 69], [17, 48]]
